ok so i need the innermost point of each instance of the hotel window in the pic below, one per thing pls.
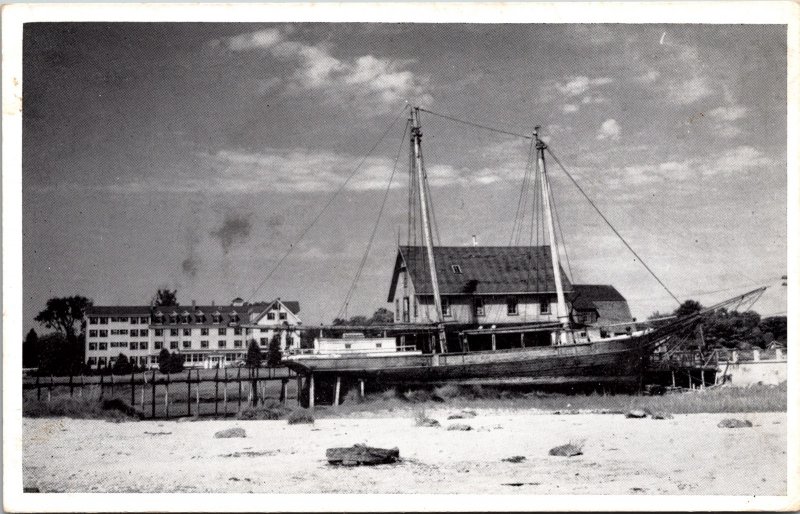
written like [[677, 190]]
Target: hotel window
[[188, 344], [144, 320], [157, 345], [143, 332], [478, 306], [173, 331], [271, 315], [104, 321], [159, 332], [93, 321], [281, 315], [103, 333], [234, 318], [173, 345], [123, 319], [101, 361], [173, 318], [134, 332], [203, 344], [93, 333], [134, 345], [264, 330], [263, 341], [134, 321], [222, 331], [186, 318], [237, 331], [544, 305], [445, 306], [456, 269], [114, 319], [203, 331], [92, 361], [159, 318], [102, 346], [187, 331], [512, 306], [237, 343], [143, 345], [92, 346], [222, 344], [347, 346]]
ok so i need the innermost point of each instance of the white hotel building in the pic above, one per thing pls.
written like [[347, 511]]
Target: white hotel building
[[206, 336]]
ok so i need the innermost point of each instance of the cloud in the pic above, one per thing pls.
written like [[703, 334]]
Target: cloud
[[569, 108], [730, 113], [610, 129], [235, 229], [190, 266], [576, 86], [648, 77], [689, 91], [374, 85]]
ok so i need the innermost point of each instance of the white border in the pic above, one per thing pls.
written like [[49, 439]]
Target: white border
[[756, 12]]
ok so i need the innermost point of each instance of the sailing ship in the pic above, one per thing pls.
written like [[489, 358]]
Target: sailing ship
[[553, 350]]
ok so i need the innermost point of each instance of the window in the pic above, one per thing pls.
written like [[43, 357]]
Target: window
[[347, 346], [378, 345], [445, 306], [281, 315], [203, 344], [478, 307], [102, 346], [222, 331], [203, 331], [263, 341], [157, 345], [92, 361], [103, 333], [104, 321], [173, 318], [159, 332], [216, 318], [186, 318], [271, 315], [456, 269], [237, 343], [101, 361], [187, 331], [264, 330], [188, 344], [511, 305], [123, 319], [144, 320], [134, 345], [92, 346], [144, 332], [134, 321], [247, 331], [416, 307], [173, 345], [397, 309], [222, 344], [118, 332], [237, 331], [93, 333], [544, 305], [173, 331], [405, 309], [114, 319], [143, 345], [134, 332], [159, 317], [93, 321]]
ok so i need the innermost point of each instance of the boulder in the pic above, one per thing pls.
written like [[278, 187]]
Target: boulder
[[464, 414], [734, 423], [661, 415], [360, 454], [636, 414], [566, 450], [459, 426], [516, 459], [230, 432], [427, 422]]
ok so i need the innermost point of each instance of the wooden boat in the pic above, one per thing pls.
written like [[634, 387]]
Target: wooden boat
[[568, 359]]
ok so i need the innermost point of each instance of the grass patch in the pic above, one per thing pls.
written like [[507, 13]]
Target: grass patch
[[110, 409], [300, 416], [269, 410]]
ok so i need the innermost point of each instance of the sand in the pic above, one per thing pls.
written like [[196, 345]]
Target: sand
[[688, 454]]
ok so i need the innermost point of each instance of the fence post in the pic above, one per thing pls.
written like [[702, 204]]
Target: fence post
[[153, 400], [189, 393], [38, 389], [50, 388], [225, 394], [112, 383], [83, 383], [198, 391], [254, 385], [133, 390], [239, 380], [102, 378], [71, 388], [299, 390], [216, 393], [284, 383], [166, 397]]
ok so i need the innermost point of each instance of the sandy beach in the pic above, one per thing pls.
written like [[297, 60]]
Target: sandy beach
[[688, 454]]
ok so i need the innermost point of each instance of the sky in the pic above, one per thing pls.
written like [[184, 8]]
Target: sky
[[193, 156]]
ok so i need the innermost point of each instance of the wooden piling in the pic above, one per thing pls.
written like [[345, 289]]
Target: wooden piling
[[112, 383], [166, 397], [311, 391], [361, 387], [38, 389], [80, 389], [50, 389], [216, 393], [153, 399], [102, 376], [71, 387], [673, 378], [198, 392], [133, 390], [522, 339], [336, 390], [494, 341]]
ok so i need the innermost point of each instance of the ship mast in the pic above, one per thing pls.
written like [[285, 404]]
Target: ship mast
[[416, 139], [561, 308]]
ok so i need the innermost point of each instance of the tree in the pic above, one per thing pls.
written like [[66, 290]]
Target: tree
[[30, 350], [66, 316], [274, 355], [122, 366], [688, 307], [175, 363], [382, 316], [165, 297], [164, 361], [253, 359]]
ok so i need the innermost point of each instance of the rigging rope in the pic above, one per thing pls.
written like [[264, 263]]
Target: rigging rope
[[325, 207], [477, 125], [561, 234], [352, 288], [550, 151], [522, 197]]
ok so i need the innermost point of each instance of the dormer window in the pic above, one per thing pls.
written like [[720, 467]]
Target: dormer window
[[217, 317], [159, 317], [234, 317], [186, 317], [456, 269], [173, 318], [199, 317]]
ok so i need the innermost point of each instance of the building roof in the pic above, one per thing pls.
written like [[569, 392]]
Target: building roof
[[226, 311], [610, 305], [483, 270], [118, 310]]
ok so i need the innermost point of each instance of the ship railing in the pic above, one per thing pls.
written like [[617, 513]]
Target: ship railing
[[315, 351]]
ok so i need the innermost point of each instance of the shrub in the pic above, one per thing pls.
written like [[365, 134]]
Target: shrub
[[113, 409], [301, 415], [447, 391], [271, 410]]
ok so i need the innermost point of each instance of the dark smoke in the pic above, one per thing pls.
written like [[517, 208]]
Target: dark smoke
[[234, 230], [190, 266]]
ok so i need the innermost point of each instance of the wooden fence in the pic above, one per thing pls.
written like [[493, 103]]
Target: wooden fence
[[220, 392]]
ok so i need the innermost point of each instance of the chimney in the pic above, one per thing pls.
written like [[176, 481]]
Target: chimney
[[194, 304], [212, 303], [474, 240]]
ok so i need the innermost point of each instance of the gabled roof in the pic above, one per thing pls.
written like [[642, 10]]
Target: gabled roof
[[484, 270], [610, 305]]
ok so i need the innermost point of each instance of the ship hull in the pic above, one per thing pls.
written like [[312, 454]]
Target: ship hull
[[602, 361]]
